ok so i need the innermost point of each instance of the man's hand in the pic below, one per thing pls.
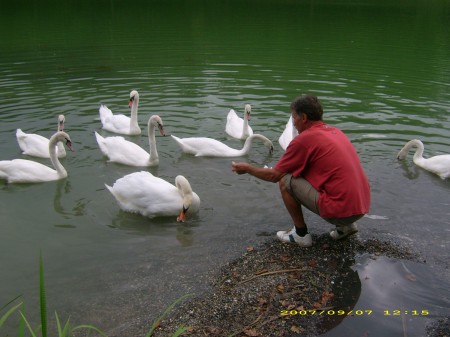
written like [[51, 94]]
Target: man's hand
[[239, 168]]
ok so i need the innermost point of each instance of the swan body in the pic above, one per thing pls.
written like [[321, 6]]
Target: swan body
[[143, 193], [237, 127], [120, 150], [28, 171], [36, 145], [288, 134], [202, 146], [120, 123], [439, 165]]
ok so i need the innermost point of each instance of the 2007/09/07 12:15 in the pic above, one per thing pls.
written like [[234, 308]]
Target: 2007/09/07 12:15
[[352, 312]]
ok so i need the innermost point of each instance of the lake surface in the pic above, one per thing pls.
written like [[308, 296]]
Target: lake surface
[[381, 70]]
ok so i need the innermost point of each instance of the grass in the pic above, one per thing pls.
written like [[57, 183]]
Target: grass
[[64, 329]]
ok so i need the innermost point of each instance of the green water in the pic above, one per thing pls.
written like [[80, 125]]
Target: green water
[[381, 69]]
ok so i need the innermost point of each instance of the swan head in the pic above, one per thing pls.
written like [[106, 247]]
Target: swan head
[[134, 98], [404, 151], [248, 110], [61, 120], [157, 122], [185, 190], [61, 136]]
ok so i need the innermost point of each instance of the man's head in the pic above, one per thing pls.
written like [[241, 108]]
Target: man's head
[[308, 105]]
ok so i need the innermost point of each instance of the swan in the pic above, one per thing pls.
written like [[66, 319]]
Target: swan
[[202, 146], [439, 165], [120, 123], [122, 151], [143, 193], [288, 134], [28, 171], [237, 127], [36, 145]]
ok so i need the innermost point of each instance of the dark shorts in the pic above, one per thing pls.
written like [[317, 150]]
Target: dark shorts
[[308, 196]]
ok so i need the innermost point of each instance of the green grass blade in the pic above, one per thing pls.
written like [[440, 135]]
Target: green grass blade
[[89, 327], [21, 328], [66, 330], [58, 325], [13, 300], [8, 313], [179, 331], [28, 325], [156, 323], [42, 300]]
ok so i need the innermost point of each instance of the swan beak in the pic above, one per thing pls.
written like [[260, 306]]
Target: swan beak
[[69, 144], [248, 116], [271, 149], [130, 103], [161, 129], [182, 215], [61, 126]]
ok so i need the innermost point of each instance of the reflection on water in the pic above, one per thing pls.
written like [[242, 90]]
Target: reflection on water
[[398, 298]]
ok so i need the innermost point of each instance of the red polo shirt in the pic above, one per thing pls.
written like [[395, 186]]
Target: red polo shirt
[[326, 158]]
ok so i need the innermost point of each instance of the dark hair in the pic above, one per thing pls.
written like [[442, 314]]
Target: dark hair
[[309, 105]]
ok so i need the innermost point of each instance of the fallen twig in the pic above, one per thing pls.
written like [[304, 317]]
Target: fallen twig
[[271, 273]]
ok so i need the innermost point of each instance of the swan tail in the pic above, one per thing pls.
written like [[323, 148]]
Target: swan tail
[[20, 134], [101, 144], [105, 113]]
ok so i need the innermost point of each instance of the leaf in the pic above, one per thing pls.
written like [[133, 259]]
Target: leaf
[[250, 249], [285, 258], [251, 333], [411, 277], [280, 288], [312, 263], [296, 329], [284, 303]]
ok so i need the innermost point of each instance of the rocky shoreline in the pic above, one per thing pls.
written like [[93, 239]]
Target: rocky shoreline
[[281, 289]]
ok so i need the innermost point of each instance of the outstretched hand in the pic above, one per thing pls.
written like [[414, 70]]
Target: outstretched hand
[[239, 168]]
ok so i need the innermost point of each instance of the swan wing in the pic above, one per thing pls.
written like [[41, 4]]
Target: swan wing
[[120, 150], [114, 123], [203, 146], [143, 193], [26, 171], [288, 134], [439, 165], [235, 125], [32, 144]]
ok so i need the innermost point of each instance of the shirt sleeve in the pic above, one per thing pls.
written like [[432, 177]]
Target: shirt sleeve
[[295, 158]]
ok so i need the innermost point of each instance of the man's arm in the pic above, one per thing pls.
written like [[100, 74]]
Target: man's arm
[[267, 174]]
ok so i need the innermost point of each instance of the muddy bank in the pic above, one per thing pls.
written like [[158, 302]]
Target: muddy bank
[[281, 289]]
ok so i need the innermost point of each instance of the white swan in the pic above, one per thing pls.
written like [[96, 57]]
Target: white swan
[[122, 151], [439, 165], [36, 145], [288, 134], [143, 193], [120, 123], [237, 127], [28, 171], [202, 146]]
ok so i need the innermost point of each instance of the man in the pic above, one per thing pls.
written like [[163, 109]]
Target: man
[[321, 171]]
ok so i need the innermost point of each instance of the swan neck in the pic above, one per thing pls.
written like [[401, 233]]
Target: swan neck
[[248, 144], [152, 142], [185, 191], [245, 125], [134, 110], [60, 170]]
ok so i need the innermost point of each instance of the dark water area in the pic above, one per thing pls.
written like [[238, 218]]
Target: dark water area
[[381, 70]]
